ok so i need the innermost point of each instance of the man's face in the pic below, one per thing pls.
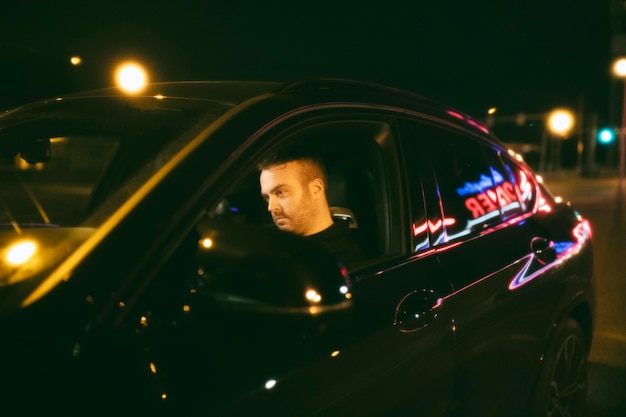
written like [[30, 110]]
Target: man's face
[[289, 201]]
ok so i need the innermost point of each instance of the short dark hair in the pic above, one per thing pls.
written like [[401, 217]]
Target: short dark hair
[[315, 165]]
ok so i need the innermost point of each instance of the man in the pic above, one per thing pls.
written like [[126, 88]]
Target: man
[[295, 191]]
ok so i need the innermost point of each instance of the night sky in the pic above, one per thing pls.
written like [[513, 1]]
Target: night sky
[[526, 55]]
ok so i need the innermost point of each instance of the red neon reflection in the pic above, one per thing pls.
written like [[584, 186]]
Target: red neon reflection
[[478, 125], [455, 114], [543, 205], [432, 227], [503, 194], [491, 200], [582, 231], [469, 121]]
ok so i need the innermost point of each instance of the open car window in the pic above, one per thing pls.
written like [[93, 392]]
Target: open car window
[[357, 182]]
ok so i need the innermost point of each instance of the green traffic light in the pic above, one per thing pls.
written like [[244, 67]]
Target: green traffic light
[[606, 135]]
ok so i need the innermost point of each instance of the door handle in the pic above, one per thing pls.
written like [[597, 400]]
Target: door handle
[[543, 249]]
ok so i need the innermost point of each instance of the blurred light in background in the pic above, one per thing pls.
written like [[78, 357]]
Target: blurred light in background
[[76, 60], [560, 122], [131, 77], [619, 67], [606, 135]]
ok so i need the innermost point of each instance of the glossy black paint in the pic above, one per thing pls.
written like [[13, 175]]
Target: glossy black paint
[[159, 303]]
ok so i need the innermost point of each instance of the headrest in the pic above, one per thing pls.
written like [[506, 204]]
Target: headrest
[[345, 215]]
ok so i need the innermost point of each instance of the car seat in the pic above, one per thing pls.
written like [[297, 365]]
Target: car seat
[[351, 195]]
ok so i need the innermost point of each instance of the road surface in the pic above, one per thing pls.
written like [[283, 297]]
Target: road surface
[[600, 201]]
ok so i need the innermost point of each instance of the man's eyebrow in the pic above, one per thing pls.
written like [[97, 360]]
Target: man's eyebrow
[[276, 187]]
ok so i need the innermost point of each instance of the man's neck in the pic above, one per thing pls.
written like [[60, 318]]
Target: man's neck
[[320, 225]]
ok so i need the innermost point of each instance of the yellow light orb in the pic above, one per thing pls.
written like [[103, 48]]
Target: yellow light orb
[[619, 67], [313, 296], [131, 77], [20, 253], [561, 122]]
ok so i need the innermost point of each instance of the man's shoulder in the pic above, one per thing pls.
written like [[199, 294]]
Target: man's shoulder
[[338, 240], [336, 230]]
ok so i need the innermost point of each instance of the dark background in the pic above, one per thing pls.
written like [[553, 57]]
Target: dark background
[[481, 51], [519, 56]]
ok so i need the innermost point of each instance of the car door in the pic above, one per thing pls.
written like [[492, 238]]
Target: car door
[[392, 355], [486, 244]]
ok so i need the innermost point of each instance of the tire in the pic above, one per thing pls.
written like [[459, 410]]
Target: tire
[[561, 389]]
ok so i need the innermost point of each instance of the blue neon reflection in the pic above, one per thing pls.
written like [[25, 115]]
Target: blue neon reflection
[[565, 249], [484, 183], [562, 247]]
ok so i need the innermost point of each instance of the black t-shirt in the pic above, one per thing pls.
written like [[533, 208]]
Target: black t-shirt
[[337, 240]]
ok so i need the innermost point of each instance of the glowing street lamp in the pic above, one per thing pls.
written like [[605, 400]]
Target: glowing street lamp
[[131, 77], [560, 122], [619, 67], [490, 120]]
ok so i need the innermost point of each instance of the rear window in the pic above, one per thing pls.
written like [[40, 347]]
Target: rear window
[[523, 183], [466, 185]]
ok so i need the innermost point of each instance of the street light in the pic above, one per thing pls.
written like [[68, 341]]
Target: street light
[[131, 77], [560, 122], [619, 69]]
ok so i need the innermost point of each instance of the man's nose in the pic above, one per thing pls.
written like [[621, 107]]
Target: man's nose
[[272, 205]]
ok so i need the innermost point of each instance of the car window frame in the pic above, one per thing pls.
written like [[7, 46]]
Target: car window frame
[[303, 123]]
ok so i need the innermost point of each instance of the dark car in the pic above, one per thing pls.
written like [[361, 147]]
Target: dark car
[[141, 273]]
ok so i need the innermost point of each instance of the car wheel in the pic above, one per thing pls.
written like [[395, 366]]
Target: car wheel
[[562, 385]]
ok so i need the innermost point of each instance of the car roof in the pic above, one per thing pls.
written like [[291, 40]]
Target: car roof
[[230, 92], [313, 90], [344, 90]]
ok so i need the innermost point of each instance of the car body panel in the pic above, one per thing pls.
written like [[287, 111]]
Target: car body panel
[[172, 293]]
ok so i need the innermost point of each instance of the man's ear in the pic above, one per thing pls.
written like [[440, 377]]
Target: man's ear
[[317, 187]]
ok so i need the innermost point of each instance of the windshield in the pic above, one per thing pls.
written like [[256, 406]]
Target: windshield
[[56, 192], [60, 162]]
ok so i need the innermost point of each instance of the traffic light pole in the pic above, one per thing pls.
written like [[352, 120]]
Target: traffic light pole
[[622, 139]]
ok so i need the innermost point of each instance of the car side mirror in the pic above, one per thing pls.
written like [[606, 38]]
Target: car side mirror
[[34, 151], [265, 273], [543, 249]]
